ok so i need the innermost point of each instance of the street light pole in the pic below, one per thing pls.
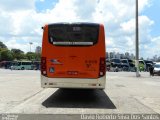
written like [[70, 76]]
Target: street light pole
[[30, 45], [137, 42]]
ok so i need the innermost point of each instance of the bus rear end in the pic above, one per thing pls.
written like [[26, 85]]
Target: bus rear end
[[73, 56]]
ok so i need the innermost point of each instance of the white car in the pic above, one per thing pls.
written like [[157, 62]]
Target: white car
[[156, 69]]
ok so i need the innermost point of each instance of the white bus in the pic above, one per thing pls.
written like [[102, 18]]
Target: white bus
[[22, 65]]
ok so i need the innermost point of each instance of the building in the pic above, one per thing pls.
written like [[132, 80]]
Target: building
[[118, 56], [111, 55], [122, 56], [38, 49], [132, 56], [127, 56], [107, 55]]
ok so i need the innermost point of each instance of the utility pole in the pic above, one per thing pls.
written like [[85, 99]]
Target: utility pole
[[137, 42], [30, 45]]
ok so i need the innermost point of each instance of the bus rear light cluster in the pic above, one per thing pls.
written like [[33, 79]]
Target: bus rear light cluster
[[102, 67], [101, 73], [43, 66], [44, 72]]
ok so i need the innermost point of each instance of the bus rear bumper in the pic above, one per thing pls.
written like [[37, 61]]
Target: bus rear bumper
[[73, 83]]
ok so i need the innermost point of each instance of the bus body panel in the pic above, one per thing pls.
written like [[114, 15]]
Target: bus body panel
[[73, 67], [73, 82], [73, 62]]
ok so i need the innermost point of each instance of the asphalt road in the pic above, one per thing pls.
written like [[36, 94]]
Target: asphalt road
[[20, 92]]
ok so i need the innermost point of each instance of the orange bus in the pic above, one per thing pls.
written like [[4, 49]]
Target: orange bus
[[73, 56]]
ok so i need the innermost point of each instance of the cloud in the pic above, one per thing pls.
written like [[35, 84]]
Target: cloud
[[128, 27], [4, 21], [85, 8], [152, 48], [15, 5]]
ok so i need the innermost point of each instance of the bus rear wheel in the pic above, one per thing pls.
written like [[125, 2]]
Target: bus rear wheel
[[22, 68]]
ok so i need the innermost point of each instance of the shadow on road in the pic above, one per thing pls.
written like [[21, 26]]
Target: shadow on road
[[79, 98]]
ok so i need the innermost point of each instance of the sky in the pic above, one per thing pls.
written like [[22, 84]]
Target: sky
[[21, 22]]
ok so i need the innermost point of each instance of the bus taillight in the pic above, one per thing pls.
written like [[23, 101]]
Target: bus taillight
[[43, 66], [102, 67]]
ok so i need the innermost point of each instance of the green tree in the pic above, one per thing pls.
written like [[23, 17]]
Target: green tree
[[6, 55], [18, 54], [31, 56], [38, 57], [2, 45]]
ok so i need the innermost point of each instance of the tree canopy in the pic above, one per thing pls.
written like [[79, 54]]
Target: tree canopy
[[16, 54], [6, 55], [2, 45]]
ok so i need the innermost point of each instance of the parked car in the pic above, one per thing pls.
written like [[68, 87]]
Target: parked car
[[116, 64], [36, 65], [127, 65], [156, 69], [6, 64], [108, 65], [148, 63], [132, 65]]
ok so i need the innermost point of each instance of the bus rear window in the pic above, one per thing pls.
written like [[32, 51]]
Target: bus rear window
[[73, 34]]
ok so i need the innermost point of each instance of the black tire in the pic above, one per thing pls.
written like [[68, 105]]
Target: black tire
[[101, 89], [22, 68]]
